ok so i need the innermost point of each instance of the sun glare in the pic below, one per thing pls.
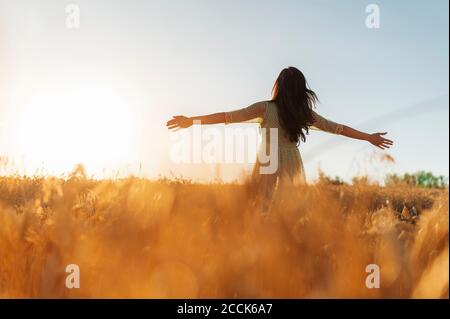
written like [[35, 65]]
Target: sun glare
[[91, 126]]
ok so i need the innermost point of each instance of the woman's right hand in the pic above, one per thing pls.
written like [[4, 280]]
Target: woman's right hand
[[378, 140], [178, 122]]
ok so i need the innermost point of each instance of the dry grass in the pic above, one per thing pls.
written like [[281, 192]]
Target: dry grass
[[145, 239]]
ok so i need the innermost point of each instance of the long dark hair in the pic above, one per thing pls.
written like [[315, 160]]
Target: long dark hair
[[294, 100]]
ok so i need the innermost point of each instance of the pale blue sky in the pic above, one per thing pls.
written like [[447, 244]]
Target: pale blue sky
[[189, 57]]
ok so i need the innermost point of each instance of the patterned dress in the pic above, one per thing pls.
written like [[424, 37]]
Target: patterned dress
[[290, 166]]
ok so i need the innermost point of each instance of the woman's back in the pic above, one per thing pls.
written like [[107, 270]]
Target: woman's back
[[266, 113], [289, 161], [271, 121]]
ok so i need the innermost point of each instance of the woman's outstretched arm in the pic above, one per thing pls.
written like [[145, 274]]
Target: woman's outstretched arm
[[252, 112], [180, 121], [376, 139]]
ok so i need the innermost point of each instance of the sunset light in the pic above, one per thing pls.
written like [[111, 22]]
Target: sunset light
[[88, 125]]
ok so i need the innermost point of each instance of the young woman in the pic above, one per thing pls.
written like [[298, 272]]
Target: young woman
[[290, 112]]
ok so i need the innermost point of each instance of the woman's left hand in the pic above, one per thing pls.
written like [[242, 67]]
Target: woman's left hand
[[179, 122]]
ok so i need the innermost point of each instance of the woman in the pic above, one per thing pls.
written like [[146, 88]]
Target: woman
[[291, 113]]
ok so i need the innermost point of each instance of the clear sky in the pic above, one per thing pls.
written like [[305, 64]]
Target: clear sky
[[101, 94]]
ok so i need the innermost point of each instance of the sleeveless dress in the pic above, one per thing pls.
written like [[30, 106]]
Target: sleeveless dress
[[289, 164]]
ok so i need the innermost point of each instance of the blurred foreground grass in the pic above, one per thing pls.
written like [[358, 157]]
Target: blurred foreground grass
[[146, 239]]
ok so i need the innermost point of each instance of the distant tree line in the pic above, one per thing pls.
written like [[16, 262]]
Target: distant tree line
[[419, 179]]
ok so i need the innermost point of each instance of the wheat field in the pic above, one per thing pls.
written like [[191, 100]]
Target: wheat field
[[136, 238]]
